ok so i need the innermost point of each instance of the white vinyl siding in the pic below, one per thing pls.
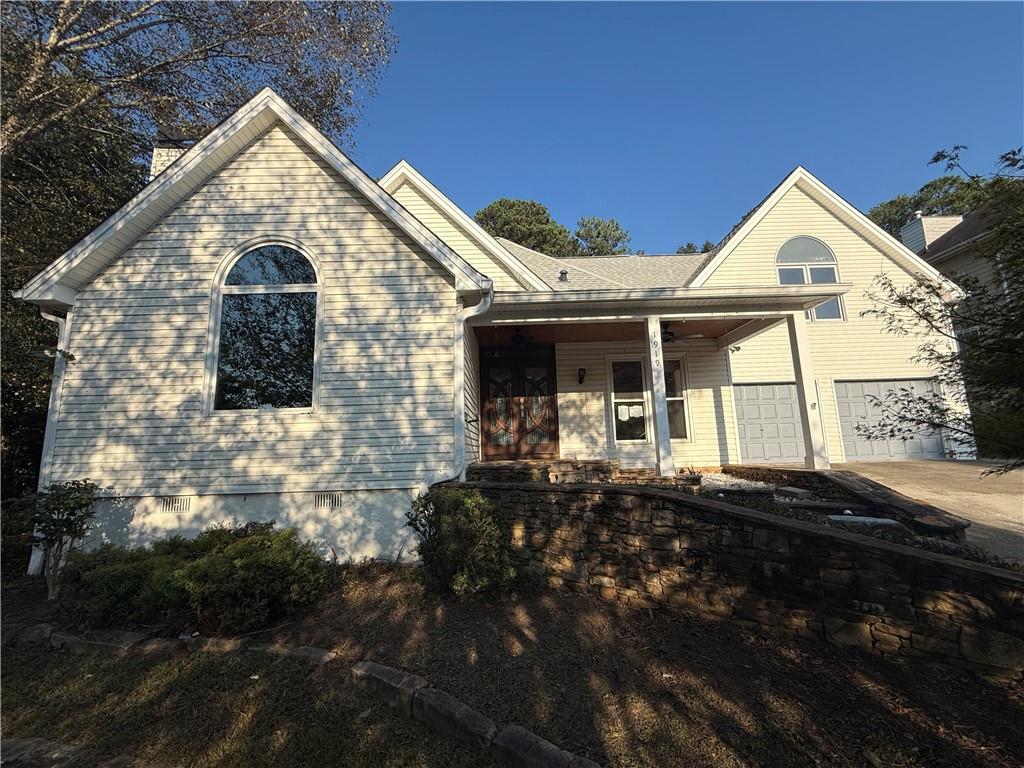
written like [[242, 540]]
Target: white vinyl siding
[[131, 404], [584, 426], [856, 349], [455, 237]]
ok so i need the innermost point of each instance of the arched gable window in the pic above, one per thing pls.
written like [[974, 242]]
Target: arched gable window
[[806, 260], [266, 333]]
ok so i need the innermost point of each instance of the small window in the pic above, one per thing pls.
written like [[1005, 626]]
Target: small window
[[805, 261], [266, 345], [675, 394], [628, 406]]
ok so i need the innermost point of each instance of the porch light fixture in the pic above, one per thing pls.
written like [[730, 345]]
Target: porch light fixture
[[581, 374]]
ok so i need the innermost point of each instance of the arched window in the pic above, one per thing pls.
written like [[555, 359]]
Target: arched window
[[266, 335], [806, 260]]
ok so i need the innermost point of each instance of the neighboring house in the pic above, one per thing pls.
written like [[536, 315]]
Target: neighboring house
[[266, 332], [950, 245]]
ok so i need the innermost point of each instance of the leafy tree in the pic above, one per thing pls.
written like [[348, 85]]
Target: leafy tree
[[688, 248], [62, 515], [601, 237], [84, 85], [529, 224], [972, 338], [945, 196], [707, 247], [55, 189], [186, 63]]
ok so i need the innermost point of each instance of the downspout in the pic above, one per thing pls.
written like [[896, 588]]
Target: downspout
[[459, 423], [60, 362]]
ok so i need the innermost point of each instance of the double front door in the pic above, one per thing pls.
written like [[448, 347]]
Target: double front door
[[519, 403]]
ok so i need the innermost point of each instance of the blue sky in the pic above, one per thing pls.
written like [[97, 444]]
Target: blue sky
[[677, 118]]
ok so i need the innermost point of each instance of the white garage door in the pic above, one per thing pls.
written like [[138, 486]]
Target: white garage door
[[855, 408], [768, 417]]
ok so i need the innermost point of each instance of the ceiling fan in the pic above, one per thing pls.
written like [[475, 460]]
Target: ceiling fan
[[668, 335], [519, 338]]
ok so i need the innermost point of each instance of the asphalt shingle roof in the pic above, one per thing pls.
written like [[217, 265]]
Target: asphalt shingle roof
[[610, 272]]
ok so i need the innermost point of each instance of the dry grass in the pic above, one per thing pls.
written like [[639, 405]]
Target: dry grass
[[626, 689]]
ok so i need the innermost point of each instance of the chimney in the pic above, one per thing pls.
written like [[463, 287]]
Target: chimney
[[170, 144], [921, 231]]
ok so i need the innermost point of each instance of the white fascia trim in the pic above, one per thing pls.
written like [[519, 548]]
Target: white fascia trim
[[855, 218], [403, 171], [268, 103], [796, 293]]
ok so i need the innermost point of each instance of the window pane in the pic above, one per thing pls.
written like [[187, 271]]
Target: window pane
[[673, 378], [830, 310], [677, 419], [628, 379], [630, 421], [823, 275], [805, 250], [791, 275], [272, 265], [266, 351]]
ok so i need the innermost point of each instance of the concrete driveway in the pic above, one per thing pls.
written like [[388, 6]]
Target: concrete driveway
[[994, 504]]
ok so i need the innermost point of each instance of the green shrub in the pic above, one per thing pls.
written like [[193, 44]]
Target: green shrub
[[246, 582], [228, 579], [63, 512], [463, 546]]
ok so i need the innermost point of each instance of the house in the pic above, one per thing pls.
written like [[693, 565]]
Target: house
[[950, 245], [265, 331]]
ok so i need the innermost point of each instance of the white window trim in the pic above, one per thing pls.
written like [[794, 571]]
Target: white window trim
[[685, 397], [610, 386], [217, 292]]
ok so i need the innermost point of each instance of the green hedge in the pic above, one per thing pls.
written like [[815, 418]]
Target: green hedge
[[464, 547], [227, 579]]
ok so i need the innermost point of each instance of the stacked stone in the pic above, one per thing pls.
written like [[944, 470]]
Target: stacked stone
[[649, 547]]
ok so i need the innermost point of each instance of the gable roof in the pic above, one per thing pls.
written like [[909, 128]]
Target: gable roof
[[802, 178], [404, 172], [55, 286], [610, 272], [974, 226]]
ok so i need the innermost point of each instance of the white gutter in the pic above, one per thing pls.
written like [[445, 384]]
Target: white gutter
[[459, 369], [60, 362]]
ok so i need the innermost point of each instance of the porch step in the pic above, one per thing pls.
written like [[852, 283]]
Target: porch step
[[544, 471]]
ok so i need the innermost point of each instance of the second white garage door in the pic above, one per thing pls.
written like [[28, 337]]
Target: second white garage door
[[768, 419], [855, 408]]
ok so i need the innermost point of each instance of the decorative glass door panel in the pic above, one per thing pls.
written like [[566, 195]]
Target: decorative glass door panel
[[519, 403]]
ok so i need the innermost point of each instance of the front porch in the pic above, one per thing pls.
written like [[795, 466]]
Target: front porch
[[649, 391]]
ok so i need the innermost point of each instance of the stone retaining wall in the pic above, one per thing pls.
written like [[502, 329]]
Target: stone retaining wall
[[651, 547]]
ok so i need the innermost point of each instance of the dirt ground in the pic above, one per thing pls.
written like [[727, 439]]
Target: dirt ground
[[993, 503], [647, 688]]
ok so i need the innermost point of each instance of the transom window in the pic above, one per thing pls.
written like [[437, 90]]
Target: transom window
[[805, 261], [266, 340]]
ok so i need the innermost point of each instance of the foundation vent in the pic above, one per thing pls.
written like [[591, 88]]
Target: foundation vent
[[175, 504], [327, 500]]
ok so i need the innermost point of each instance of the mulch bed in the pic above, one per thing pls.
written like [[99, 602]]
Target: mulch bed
[[640, 688]]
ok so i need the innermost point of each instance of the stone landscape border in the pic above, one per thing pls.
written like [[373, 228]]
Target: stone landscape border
[[411, 695], [408, 694]]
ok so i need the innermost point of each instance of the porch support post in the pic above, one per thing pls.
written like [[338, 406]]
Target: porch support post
[[656, 373], [807, 393]]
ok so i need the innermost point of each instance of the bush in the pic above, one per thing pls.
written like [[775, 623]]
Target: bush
[[463, 546], [230, 579]]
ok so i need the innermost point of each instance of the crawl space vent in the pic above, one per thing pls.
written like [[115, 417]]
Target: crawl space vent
[[176, 504], [327, 500]]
